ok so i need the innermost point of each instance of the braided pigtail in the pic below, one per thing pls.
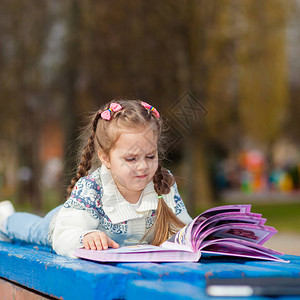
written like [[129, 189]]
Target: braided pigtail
[[166, 223], [87, 156], [162, 180]]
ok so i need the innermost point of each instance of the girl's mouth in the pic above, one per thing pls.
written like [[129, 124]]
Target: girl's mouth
[[141, 176]]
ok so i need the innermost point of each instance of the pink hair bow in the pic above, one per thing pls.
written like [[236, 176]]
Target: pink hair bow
[[151, 108], [114, 107]]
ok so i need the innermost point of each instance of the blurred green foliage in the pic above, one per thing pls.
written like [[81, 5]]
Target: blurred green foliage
[[283, 216]]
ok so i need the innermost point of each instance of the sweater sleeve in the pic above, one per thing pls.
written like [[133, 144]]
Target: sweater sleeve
[[77, 217], [180, 209]]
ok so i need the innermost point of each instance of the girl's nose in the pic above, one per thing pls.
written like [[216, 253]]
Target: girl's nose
[[142, 165]]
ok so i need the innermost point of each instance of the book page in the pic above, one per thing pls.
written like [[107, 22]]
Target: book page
[[223, 219], [233, 247], [185, 235], [252, 233], [242, 208], [138, 253], [241, 243]]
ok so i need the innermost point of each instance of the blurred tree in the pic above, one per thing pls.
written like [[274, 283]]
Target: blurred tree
[[246, 74], [74, 105], [223, 55], [263, 90], [25, 99], [127, 51], [292, 123], [159, 51], [22, 87]]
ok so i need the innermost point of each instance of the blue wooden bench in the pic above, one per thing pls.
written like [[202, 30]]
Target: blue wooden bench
[[31, 270]]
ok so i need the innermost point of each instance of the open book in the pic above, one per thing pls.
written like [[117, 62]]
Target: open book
[[227, 230]]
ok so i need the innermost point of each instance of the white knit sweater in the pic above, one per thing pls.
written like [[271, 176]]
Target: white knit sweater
[[97, 204]]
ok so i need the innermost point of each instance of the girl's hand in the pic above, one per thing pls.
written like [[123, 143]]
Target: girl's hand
[[98, 240]]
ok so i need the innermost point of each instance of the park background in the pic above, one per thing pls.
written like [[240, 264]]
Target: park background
[[225, 73]]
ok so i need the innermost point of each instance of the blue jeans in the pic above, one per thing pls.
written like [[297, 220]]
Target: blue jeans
[[29, 228]]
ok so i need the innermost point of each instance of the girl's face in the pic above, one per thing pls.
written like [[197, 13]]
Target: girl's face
[[133, 161]]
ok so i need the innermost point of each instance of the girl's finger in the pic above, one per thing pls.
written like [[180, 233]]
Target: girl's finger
[[92, 244], [98, 243], [112, 243], [86, 245], [104, 238]]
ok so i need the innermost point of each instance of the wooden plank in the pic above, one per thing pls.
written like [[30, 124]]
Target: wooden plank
[[190, 272], [292, 268], [60, 276], [67, 278], [250, 271], [292, 258], [175, 290], [168, 271], [9, 291], [215, 270]]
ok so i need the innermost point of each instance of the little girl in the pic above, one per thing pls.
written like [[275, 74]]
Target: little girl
[[129, 199]]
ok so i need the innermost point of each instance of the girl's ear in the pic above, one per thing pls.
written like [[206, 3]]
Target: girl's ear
[[104, 159]]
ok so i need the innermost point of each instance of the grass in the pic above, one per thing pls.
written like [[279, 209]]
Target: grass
[[285, 217], [282, 216]]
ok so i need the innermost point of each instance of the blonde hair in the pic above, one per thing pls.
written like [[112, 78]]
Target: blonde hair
[[103, 136]]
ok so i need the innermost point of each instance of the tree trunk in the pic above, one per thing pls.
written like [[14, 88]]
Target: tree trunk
[[70, 115]]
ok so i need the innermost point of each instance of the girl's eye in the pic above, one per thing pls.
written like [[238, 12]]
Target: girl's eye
[[151, 157], [130, 159]]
